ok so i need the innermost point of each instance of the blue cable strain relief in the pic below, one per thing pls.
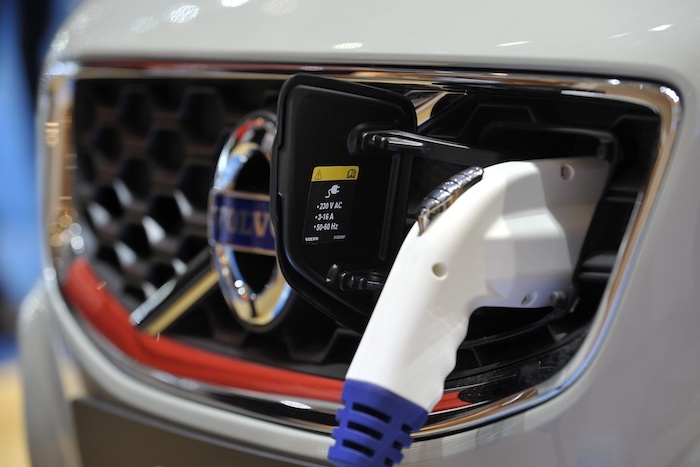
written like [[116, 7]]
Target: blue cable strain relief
[[374, 426]]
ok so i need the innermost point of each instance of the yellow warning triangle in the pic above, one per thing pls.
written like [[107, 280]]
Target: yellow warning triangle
[[318, 176]]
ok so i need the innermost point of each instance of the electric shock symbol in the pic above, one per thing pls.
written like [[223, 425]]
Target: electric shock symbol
[[334, 190], [318, 176]]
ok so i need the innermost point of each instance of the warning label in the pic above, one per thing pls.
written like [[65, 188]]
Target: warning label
[[330, 202]]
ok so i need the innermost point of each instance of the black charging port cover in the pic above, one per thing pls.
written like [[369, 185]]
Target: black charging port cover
[[338, 213]]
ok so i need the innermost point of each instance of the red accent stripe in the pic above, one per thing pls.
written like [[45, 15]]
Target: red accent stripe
[[96, 304], [450, 400]]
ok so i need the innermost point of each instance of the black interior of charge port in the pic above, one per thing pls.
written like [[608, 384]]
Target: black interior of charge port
[[326, 221]]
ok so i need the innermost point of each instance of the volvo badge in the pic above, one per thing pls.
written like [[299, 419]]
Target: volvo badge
[[240, 232]]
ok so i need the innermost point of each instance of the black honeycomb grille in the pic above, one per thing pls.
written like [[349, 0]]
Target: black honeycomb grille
[[146, 153]]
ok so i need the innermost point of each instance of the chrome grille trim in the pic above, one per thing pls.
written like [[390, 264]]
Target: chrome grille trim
[[59, 212]]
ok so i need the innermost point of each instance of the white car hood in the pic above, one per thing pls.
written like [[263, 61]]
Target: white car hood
[[640, 39]]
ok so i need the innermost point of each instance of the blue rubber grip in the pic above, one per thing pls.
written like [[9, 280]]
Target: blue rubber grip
[[374, 426]]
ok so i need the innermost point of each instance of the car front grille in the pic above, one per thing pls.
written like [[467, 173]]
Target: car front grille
[[146, 154], [146, 149]]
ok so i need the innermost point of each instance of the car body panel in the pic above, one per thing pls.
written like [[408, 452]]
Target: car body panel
[[633, 38], [636, 401]]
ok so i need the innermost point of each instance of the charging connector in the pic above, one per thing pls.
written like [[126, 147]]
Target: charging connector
[[512, 240]]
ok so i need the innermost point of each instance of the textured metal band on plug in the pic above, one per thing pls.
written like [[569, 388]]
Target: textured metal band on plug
[[445, 195]]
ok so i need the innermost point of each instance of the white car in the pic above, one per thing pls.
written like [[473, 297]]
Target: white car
[[285, 232]]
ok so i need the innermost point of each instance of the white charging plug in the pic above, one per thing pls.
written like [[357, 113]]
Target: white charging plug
[[512, 240]]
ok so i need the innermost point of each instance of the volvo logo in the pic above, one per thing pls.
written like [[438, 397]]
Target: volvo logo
[[240, 231]]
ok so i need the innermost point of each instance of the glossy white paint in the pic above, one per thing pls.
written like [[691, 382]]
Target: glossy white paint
[[638, 402], [637, 38]]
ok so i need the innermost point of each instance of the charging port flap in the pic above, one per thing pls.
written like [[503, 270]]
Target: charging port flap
[[338, 212]]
